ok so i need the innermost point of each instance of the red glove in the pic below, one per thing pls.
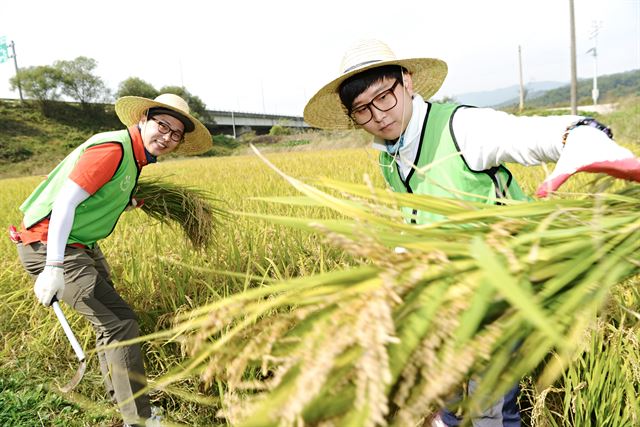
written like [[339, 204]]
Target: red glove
[[588, 149], [14, 236]]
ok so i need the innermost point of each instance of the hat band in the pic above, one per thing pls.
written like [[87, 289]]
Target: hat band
[[362, 64]]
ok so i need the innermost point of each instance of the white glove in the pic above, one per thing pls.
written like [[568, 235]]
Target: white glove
[[590, 150], [49, 283]]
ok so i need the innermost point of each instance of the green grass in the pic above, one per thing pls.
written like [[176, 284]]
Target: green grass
[[27, 402], [33, 142], [296, 142]]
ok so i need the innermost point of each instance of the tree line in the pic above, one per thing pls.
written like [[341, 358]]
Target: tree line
[[76, 80]]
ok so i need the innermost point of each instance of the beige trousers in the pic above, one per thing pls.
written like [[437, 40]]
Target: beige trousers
[[90, 291]]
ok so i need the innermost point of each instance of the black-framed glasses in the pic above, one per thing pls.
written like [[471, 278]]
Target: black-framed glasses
[[164, 128], [384, 101]]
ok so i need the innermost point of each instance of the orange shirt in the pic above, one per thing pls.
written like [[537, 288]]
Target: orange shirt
[[95, 167]]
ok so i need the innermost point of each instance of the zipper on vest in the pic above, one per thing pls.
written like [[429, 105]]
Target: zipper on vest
[[409, 190], [418, 153], [509, 179], [499, 192]]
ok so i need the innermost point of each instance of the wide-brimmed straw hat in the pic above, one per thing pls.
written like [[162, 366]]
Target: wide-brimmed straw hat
[[325, 110], [131, 108]]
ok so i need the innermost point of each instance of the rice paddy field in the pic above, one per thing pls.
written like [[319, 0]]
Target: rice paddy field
[[255, 248]]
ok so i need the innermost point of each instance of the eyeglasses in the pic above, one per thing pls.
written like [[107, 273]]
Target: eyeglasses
[[384, 101], [164, 128]]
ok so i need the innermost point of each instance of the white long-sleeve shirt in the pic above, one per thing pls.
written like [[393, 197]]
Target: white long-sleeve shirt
[[488, 137], [62, 215]]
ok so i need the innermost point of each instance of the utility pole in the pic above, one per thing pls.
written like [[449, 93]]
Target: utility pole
[[13, 55], [521, 82], [574, 73], [264, 111], [233, 124], [595, 93]]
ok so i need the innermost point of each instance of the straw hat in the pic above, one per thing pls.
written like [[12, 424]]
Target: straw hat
[[131, 108], [325, 110]]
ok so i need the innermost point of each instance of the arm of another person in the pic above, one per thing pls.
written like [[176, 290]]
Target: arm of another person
[[488, 138], [94, 169], [50, 282]]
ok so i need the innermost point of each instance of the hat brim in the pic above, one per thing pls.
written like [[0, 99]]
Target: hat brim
[[325, 110], [130, 110]]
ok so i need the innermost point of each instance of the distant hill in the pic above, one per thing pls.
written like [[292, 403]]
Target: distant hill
[[504, 95], [611, 87], [556, 94]]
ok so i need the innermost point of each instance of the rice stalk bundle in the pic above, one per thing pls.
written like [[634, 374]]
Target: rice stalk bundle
[[188, 207], [489, 292]]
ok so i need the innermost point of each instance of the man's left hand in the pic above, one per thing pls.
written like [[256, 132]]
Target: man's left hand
[[590, 150], [49, 283]]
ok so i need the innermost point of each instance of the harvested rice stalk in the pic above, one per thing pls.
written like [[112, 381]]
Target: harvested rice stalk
[[189, 207], [488, 291], [486, 306]]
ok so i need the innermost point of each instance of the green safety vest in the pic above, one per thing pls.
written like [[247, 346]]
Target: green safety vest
[[443, 171], [96, 217]]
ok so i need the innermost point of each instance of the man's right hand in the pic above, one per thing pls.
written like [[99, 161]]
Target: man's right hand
[[49, 283]]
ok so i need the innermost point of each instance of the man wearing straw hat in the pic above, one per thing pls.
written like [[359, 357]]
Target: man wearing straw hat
[[456, 151], [80, 203]]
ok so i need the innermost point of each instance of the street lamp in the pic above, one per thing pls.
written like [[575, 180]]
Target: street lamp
[[4, 55], [594, 51]]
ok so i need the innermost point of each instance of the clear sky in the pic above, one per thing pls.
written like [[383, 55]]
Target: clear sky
[[272, 56]]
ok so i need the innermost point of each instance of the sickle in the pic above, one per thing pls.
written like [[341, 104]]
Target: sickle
[[74, 343]]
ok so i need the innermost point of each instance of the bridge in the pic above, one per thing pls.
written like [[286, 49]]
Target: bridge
[[237, 123]]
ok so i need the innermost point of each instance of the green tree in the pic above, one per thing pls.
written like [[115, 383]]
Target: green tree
[[134, 86], [279, 129], [41, 83], [196, 105], [448, 99], [79, 82]]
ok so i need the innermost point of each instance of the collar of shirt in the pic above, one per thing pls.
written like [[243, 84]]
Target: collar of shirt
[[150, 157], [410, 140], [143, 157]]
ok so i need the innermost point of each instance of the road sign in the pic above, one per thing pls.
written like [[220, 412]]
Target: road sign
[[4, 50]]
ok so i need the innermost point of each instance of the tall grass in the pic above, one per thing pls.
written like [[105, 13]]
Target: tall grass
[[490, 291], [163, 278], [161, 275]]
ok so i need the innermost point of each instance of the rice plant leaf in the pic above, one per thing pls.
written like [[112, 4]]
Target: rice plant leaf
[[266, 415], [316, 194], [518, 296], [472, 318], [414, 325], [291, 201]]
